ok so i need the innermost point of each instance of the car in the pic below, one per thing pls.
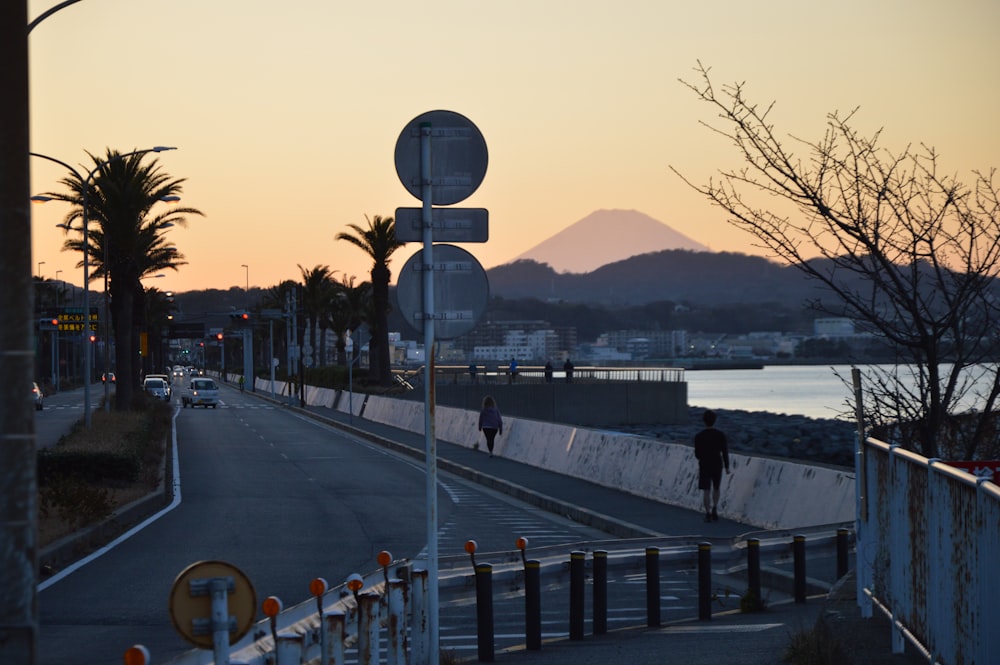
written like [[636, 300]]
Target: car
[[37, 393], [166, 380], [157, 387], [201, 391], [110, 376]]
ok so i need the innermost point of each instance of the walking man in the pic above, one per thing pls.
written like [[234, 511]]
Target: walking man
[[712, 452]]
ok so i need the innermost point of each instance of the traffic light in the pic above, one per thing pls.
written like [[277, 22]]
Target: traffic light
[[48, 324], [240, 318], [218, 336]]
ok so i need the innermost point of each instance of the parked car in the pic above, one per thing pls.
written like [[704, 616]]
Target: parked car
[[201, 391], [156, 387], [37, 392]]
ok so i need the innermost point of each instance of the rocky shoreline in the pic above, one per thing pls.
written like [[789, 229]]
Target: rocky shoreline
[[817, 440]]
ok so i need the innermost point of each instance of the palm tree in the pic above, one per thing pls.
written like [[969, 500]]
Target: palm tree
[[126, 234], [317, 297], [379, 242], [351, 305]]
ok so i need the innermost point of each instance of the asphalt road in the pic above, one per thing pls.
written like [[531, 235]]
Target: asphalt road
[[283, 498]]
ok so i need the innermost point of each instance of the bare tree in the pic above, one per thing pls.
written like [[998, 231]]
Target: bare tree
[[911, 254]]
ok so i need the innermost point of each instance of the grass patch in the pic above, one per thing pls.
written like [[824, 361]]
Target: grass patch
[[92, 472]]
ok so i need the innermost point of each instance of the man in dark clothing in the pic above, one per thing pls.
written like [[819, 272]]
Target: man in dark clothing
[[712, 452]]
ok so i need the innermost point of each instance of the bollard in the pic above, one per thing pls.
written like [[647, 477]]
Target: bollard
[[484, 611], [533, 605], [288, 649], [272, 607], [600, 592], [652, 587], [704, 581], [756, 600], [334, 633], [318, 588], [368, 647], [396, 622], [419, 632], [842, 558], [577, 571], [799, 567]]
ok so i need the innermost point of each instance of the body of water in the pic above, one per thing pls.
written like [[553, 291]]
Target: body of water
[[809, 390]]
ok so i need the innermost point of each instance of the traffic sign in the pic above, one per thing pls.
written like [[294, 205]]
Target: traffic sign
[[459, 156], [461, 291], [191, 599], [447, 224]]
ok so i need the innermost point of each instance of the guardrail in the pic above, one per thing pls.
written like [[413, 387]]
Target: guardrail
[[927, 553], [493, 374], [394, 598]]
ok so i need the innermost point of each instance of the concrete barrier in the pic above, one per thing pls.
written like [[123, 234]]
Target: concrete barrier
[[766, 492]]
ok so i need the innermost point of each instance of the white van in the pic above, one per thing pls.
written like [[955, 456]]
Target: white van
[[201, 391]]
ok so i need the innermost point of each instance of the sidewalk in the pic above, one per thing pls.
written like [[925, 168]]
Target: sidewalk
[[759, 638]]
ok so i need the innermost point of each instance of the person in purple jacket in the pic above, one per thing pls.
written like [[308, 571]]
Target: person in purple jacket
[[490, 422]]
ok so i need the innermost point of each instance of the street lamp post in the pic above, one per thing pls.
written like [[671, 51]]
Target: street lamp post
[[88, 353]]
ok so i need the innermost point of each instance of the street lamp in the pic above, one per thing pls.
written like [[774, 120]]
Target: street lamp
[[88, 353], [246, 292]]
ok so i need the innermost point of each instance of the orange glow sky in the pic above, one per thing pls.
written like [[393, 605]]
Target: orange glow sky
[[286, 115]]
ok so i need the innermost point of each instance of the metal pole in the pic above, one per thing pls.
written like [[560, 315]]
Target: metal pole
[[652, 587], [799, 567], [577, 599], [533, 605], [600, 592], [270, 352], [18, 565], [484, 612], [430, 438], [704, 581]]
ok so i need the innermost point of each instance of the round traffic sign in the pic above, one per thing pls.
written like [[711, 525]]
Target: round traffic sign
[[458, 156], [461, 291], [191, 601]]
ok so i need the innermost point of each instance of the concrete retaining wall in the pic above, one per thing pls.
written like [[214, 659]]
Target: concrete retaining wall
[[768, 493]]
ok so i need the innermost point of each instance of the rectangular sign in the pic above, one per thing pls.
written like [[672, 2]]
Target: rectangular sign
[[447, 224], [187, 330], [988, 469]]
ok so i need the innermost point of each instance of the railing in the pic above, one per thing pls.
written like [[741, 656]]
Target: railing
[[393, 600], [493, 374], [928, 552]]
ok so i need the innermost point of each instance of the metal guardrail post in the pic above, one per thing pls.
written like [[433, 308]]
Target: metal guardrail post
[[577, 567], [368, 629], [756, 600], [419, 635], [652, 587], [484, 611], [600, 592], [288, 649], [334, 632], [396, 622], [842, 558], [799, 567], [533, 605], [704, 581]]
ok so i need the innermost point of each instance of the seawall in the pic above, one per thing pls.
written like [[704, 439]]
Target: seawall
[[766, 492]]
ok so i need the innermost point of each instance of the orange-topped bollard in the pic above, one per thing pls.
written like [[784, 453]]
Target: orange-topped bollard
[[272, 607], [354, 584], [384, 559], [522, 544], [470, 547], [318, 588], [136, 655]]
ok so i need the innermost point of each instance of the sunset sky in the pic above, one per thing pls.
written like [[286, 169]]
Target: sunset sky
[[285, 115]]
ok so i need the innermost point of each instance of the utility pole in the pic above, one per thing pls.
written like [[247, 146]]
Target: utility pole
[[18, 480]]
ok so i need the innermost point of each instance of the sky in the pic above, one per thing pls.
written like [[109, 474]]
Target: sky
[[286, 115]]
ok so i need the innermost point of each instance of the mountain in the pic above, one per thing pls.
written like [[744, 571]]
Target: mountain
[[680, 276], [605, 236]]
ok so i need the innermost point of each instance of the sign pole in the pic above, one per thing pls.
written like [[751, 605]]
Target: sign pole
[[430, 438]]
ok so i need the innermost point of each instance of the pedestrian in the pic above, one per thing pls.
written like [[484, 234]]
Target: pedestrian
[[712, 452], [512, 371], [548, 371], [472, 372], [242, 383], [490, 422], [568, 369]]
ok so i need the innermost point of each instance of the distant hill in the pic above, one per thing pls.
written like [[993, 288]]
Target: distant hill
[[697, 278], [606, 236]]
